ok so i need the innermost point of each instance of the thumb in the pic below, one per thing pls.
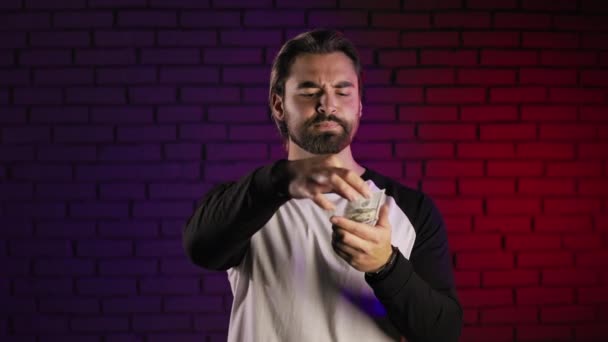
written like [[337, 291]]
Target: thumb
[[383, 216]]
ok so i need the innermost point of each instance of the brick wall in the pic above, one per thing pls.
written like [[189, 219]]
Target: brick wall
[[117, 116]]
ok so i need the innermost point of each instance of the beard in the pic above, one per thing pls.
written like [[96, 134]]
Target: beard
[[323, 142]]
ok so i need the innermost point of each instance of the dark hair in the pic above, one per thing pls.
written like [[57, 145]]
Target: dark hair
[[319, 41]]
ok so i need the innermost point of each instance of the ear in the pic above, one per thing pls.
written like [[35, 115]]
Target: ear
[[277, 107]]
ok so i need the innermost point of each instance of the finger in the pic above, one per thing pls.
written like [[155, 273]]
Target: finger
[[346, 249], [383, 216], [343, 188], [343, 255], [357, 183], [323, 202], [351, 240], [361, 230]]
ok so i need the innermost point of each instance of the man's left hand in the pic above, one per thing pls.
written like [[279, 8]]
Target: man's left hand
[[366, 248]]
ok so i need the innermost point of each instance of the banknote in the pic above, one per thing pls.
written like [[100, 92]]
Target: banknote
[[365, 210]]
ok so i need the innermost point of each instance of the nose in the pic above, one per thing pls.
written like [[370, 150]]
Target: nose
[[327, 103]]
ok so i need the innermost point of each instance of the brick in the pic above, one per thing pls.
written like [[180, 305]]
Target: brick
[[568, 314], [580, 22], [60, 39], [460, 206], [152, 95], [21, 134], [190, 38], [593, 40], [129, 229], [549, 40], [439, 187], [485, 77], [593, 187], [484, 260], [269, 133], [100, 324], [122, 115], [509, 315], [594, 77], [157, 209], [513, 206], [51, 57], [432, 4], [101, 57], [122, 191], [547, 113], [232, 55], [212, 322], [210, 19], [64, 76], [485, 150], [393, 95], [543, 295], [66, 191], [89, 19], [147, 19], [24, 21], [592, 259], [15, 191], [99, 209], [310, 4], [161, 247], [513, 278], [447, 132], [548, 76], [83, 134], [567, 132], [63, 267], [568, 58], [170, 56], [474, 242], [518, 94], [209, 95], [123, 38], [575, 95], [16, 153], [14, 77], [238, 114], [103, 248], [194, 304], [488, 113], [533, 242], [545, 151], [502, 223], [592, 295], [492, 4], [41, 172], [157, 322], [544, 333], [103, 287], [454, 168], [425, 150], [490, 39], [455, 95], [279, 18], [12, 40], [549, 259], [40, 248], [511, 132], [179, 114], [72, 229], [468, 19], [569, 277], [567, 224], [43, 286], [397, 58], [132, 304], [230, 171], [486, 187], [508, 57], [420, 76], [246, 38], [571, 206], [177, 191], [193, 75], [397, 20], [244, 75], [179, 266], [37, 209], [483, 333], [425, 113], [169, 285], [522, 21], [485, 297], [157, 133], [546, 186], [183, 151], [447, 57], [255, 95], [592, 150], [37, 96], [467, 279], [456, 223], [125, 75], [429, 39], [377, 38], [14, 305]]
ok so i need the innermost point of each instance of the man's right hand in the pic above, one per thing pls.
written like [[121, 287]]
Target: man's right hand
[[312, 177]]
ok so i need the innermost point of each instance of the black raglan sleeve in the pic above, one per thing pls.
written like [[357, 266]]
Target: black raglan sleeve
[[418, 294], [217, 235]]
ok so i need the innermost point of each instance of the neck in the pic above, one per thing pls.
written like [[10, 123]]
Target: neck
[[345, 157]]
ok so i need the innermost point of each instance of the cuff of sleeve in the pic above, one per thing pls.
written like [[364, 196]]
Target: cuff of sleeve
[[394, 281], [273, 180]]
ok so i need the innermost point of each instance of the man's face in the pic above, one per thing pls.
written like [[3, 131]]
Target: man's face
[[321, 103]]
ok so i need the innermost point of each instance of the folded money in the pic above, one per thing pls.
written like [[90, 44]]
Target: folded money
[[365, 210]]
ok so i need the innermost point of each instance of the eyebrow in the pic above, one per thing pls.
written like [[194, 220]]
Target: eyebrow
[[310, 84]]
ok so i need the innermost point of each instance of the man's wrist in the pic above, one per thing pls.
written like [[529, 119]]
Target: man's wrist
[[387, 267]]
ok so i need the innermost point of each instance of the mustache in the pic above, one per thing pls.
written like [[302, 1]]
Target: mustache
[[322, 118]]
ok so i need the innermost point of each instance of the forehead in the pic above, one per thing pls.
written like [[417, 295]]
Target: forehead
[[330, 67]]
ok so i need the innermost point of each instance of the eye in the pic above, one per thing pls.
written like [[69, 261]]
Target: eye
[[308, 94], [343, 94]]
